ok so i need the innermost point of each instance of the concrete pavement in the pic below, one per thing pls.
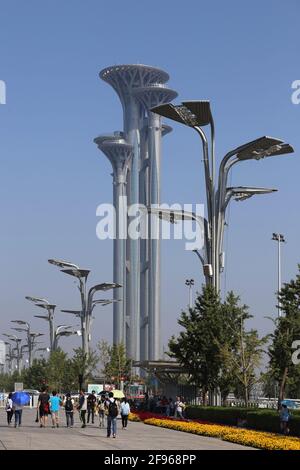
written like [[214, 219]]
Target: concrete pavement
[[137, 436]]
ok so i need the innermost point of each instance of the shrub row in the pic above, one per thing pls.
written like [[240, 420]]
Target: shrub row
[[260, 419]]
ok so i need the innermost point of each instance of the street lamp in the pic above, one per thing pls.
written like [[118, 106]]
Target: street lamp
[[85, 313], [45, 304], [174, 216], [190, 283], [197, 114], [279, 238], [17, 348], [9, 356], [31, 337], [61, 330]]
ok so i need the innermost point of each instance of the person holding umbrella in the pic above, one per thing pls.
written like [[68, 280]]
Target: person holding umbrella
[[19, 399]]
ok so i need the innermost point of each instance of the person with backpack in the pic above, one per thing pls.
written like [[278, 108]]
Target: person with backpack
[[125, 410], [9, 408], [101, 411], [91, 405], [82, 407], [43, 407], [113, 412], [69, 410]]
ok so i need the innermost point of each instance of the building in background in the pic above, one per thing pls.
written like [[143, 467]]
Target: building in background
[[2, 356]]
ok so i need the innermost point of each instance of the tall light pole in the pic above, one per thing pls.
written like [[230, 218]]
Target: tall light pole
[[190, 283], [197, 114], [43, 303], [9, 356], [85, 313], [31, 337], [279, 238], [17, 348]]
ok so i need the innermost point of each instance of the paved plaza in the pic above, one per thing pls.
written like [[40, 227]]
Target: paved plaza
[[137, 436]]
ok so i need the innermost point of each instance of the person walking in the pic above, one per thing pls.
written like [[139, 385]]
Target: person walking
[[112, 416], [178, 408], [18, 409], [284, 419], [101, 411], [9, 409], [82, 407], [69, 410], [125, 410], [43, 407], [91, 405], [55, 403]]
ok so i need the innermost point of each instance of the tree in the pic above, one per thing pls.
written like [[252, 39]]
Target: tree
[[35, 375], [244, 358], [197, 348], [119, 366], [83, 365], [232, 315], [105, 356], [286, 332], [56, 369]]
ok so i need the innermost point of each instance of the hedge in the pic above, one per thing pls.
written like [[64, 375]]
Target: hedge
[[260, 419]]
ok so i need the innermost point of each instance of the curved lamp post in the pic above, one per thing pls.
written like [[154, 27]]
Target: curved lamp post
[[86, 297], [43, 303], [197, 114], [31, 337]]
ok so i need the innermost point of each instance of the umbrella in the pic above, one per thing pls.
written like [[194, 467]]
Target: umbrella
[[118, 394], [21, 398]]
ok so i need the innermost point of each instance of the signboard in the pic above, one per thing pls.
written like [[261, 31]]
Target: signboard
[[96, 387], [18, 386]]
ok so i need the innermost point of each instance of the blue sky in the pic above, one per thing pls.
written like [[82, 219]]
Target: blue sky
[[243, 56]]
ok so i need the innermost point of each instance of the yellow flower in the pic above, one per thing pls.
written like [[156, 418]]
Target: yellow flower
[[260, 440]]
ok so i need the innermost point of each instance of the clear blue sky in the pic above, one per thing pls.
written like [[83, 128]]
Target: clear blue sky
[[243, 56]]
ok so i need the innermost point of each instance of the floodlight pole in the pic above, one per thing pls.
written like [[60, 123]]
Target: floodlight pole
[[280, 239], [190, 283]]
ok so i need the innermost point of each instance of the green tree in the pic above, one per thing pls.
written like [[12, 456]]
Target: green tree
[[244, 358], [197, 348], [56, 368], [119, 366], [83, 366], [232, 315], [35, 376], [104, 356], [286, 332]]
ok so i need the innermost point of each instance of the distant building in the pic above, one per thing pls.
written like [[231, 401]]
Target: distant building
[[2, 356]]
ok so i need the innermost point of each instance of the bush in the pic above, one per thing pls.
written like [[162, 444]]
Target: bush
[[260, 419]]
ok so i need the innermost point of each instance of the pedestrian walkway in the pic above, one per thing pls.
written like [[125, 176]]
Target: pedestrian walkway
[[137, 436]]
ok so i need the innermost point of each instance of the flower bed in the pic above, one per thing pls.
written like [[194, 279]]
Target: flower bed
[[143, 415], [260, 440]]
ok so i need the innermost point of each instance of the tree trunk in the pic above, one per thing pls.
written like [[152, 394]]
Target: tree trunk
[[246, 395], [204, 397], [283, 384]]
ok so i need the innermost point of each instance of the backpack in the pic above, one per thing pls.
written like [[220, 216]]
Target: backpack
[[7, 406], [68, 405], [113, 410]]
